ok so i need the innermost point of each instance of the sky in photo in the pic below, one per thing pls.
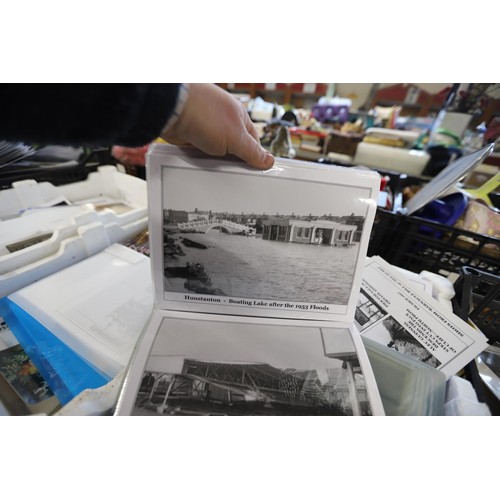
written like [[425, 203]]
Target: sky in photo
[[203, 189]]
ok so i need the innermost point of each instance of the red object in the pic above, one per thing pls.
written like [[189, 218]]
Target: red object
[[302, 131], [384, 181], [134, 157]]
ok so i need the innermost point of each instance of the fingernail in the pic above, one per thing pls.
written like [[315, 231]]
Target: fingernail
[[269, 160]]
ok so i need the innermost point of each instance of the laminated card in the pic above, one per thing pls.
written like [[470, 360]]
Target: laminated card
[[256, 276]]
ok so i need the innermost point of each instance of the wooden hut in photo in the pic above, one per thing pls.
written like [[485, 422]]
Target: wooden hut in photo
[[313, 232]]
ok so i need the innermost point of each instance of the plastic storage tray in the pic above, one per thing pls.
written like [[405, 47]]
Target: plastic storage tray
[[477, 297], [80, 325], [420, 245], [105, 184], [71, 239]]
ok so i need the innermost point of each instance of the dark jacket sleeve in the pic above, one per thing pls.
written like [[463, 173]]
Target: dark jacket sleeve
[[85, 114]]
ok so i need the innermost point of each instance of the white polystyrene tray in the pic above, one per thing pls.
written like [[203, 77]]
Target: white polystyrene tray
[[96, 307], [106, 184], [60, 251], [77, 230], [61, 222]]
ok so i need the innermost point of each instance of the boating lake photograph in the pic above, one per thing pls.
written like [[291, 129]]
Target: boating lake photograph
[[284, 258], [244, 234]]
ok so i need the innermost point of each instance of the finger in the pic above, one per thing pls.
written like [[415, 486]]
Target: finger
[[250, 150], [176, 142], [251, 127]]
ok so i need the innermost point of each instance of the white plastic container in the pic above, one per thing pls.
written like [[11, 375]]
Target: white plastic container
[[37, 239], [106, 186], [407, 161], [97, 308], [60, 252]]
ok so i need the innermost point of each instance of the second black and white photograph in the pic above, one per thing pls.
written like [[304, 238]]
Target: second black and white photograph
[[224, 368]]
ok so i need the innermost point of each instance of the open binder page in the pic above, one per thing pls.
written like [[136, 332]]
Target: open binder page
[[276, 258], [288, 242], [200, 364]]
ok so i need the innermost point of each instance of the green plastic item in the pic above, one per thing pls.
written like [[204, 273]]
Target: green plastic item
[[482, 192], [449, 133]]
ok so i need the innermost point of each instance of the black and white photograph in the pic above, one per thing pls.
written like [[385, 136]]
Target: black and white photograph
[[370, 316], [306, 258], [368, 311], [224, 368], [262, 237], [398, 313], [391, 333]]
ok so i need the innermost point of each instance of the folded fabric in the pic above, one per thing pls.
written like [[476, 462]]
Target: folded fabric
[[481, 219]]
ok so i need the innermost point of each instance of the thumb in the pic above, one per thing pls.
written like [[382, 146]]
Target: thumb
[[249, 150]]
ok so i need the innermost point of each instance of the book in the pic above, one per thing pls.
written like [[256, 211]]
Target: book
[[256, 276]]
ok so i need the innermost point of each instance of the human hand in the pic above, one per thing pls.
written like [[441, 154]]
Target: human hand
[[215, 122], [135, 157]]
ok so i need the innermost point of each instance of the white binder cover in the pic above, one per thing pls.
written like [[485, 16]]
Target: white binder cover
[[256, 277]]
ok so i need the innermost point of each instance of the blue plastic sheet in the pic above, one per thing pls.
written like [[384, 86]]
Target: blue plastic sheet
[[66, 373]]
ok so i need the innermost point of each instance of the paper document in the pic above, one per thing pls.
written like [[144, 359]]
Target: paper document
[[200, 364], [394, 312]]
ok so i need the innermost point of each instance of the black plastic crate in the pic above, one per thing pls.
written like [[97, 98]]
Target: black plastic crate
[[419, 245], [477, 297]]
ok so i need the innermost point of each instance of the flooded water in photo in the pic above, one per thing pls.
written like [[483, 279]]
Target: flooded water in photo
[[240, 266]]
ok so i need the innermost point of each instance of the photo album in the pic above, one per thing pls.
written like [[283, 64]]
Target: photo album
[[256, 275]]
